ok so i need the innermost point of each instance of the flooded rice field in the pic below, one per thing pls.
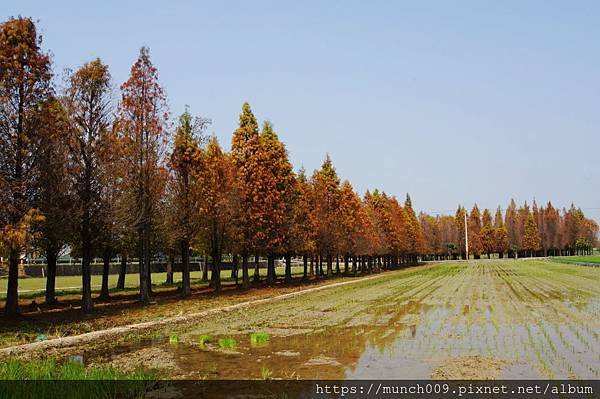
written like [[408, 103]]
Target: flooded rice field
[[505, 319]]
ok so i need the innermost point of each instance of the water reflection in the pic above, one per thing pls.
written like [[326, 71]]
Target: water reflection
[[551, 334]]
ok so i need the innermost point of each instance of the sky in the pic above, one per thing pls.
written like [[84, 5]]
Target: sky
[[454, 102]]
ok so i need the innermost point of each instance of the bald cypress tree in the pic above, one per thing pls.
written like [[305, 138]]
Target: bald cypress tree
[[25, 74], [531, 236], [326, 200], [279, 199], [501, 243], [245, 153], [459, 219], [142, 119], [474, 231], [413, 230], [184, 163], [487, 233]]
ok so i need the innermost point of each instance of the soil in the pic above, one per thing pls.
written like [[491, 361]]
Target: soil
[[470, 368]]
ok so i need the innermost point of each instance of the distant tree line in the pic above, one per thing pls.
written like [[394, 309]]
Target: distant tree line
[[519, 232], [78, 171]]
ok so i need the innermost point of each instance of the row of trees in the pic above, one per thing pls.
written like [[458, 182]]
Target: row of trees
[[81, 173], [520, 231]]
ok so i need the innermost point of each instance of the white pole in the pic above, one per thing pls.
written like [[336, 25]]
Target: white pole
[[466, 236]]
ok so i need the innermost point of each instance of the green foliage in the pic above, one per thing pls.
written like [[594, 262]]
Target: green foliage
[[259, 339], [228, 343], [173, 339], [204, 339], [265, 373]]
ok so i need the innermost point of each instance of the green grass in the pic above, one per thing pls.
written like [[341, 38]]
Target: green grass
[[228, 343], [50, 377], [50, 369], [32, 286], [579, 259]]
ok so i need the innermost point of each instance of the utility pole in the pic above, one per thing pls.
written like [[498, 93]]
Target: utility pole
[[466, 236]]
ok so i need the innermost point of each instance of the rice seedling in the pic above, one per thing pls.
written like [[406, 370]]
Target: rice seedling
[[228, 343], [259, 339], [204, 339], [265, 373]]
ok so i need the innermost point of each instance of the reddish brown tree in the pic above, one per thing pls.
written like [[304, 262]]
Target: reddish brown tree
[[501, 240], [531, 236], [245, 151], [218, 205], [53, 189], [25, 74], [88, 106], [185, 160], [474, 232], [326, 202], [487, 234], [142, 124], [275, 202]]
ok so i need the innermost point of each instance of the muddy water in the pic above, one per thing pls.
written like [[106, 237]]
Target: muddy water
[[505, 320]]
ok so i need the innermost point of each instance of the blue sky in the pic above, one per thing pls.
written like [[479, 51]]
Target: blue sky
[[451, 101]]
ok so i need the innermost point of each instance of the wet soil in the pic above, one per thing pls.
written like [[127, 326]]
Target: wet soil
[[506, 319]]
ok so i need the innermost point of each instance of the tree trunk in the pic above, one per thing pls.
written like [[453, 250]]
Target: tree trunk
[[270, 269], [186, 289], [12, 293], [305, 264], [288, 268], [329, 266], [346, 265], [245, 276], [216, 271], [256, 271], [122, 273], [234, 269], [144, 266], [104, 294], [337, 265], [51, 277], [204, 269], [86, 278], [170, 261], [312, 266]]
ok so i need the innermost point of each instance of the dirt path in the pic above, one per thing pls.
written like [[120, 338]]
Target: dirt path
[[82, 339]]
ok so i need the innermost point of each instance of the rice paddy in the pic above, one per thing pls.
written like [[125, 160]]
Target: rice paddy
[[513, 319]]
